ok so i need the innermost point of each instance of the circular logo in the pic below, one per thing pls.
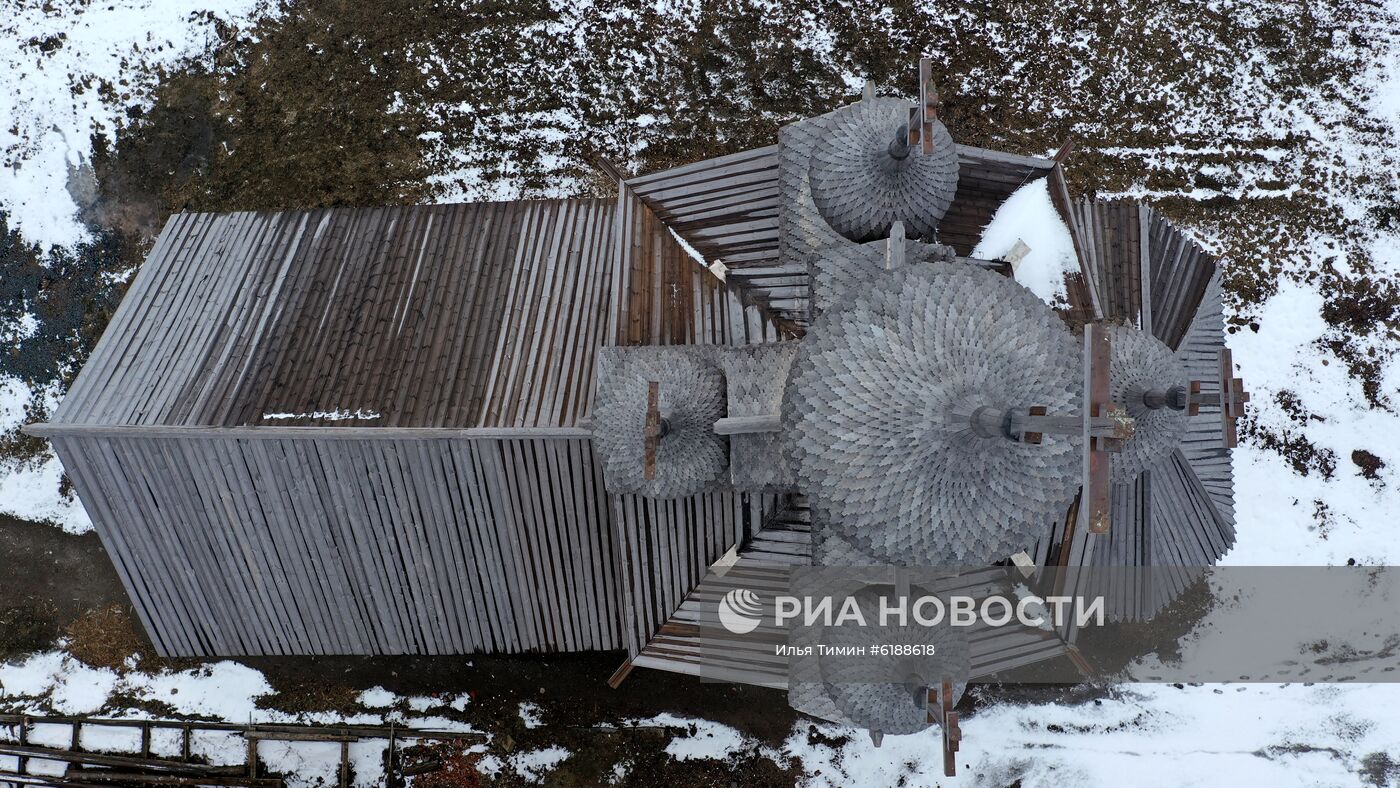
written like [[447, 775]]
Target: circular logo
[[740, 611]]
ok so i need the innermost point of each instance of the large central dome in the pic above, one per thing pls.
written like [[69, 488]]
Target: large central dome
[[877, 423]]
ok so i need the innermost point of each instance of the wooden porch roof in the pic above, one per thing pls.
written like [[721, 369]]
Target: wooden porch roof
[[727, 209]]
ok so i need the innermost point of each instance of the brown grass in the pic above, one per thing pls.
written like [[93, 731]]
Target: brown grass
[[306, 697], [106, 637]]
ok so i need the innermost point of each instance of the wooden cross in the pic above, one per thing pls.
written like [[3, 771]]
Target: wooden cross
[[654, 429], [1103, 425], [1231, 398], [1095, 499], [922, 117], [940, 711]]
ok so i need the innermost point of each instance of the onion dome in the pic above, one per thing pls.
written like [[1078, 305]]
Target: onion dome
[[876, 416], [838, 271], [690, 457], [1147, 377], [865, 176], [883, 690]]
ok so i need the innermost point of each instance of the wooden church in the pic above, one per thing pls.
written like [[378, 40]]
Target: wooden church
[[536, 426]]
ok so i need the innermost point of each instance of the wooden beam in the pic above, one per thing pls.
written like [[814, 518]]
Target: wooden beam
[[1231, 397], [894, 247], [608, 168], [742, 425], [653, 428], [952, 731], [1096, 498], [620, 675], [118, 761], [928, 105], [1066, 148]]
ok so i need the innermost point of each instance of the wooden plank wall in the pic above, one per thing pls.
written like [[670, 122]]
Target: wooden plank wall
[[279, 546], [1110, 234], [666, 297], [1204, 446], [1181, 272], [481, 314], [726, 207], [1137, 267], [1083, 300]]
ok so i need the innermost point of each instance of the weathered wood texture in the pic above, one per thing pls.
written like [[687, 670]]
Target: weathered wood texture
[[476, 519], [693, 641], [1203, 446], [1137, 267], [1179, 515], [1106, 235], [236, 546], [666, 297], [428, 316], [727, 209], [1083, 301]]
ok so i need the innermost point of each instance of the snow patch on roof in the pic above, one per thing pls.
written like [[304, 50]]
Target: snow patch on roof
[[1029, 216]]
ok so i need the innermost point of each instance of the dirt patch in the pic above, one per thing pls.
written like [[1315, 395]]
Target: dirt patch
[[1369, 464], [1294, 446], [441, 765], [53, 576], [1380, 770], [26, 630]]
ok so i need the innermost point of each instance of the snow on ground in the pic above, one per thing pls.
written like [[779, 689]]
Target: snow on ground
[[30, 491], [535, 764], [530, 715], [1214, 735], [702, 739], [56, 683], [71, 53], [1162, 736], [1271, 499]]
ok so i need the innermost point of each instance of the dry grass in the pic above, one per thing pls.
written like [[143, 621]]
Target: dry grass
[[106, 637]]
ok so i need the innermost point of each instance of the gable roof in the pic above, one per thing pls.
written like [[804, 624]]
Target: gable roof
[[419, 316]]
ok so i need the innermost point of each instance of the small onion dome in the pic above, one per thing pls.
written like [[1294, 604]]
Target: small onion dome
[[884, 690], [875, 416], [864, 180], [690, 457], [1142, 372]]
